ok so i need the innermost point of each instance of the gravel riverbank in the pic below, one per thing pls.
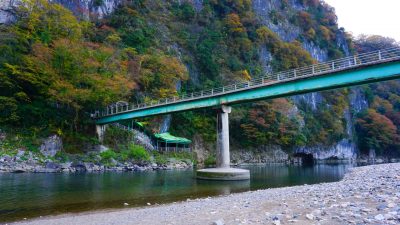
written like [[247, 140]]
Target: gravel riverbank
[[366, 195]]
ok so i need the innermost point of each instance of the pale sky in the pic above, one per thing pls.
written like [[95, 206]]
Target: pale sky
[[380, 17]]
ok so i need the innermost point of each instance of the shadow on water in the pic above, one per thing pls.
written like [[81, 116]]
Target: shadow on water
[[27, 195]]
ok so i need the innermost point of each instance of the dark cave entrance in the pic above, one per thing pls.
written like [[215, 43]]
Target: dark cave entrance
[[306, 159]]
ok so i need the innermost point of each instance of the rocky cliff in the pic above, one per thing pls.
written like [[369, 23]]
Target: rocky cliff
[[85, 9], [346, 148]]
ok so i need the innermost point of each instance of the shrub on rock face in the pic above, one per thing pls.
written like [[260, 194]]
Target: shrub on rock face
[[210, 161], [160, 159], [135, 152], [108, 155]]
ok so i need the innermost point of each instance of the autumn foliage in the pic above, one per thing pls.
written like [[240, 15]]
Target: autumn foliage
[[52, 74], [377, 131]]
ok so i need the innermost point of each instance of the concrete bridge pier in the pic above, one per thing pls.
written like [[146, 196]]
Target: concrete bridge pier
[[100, 130], [223, 171], [223, 155]]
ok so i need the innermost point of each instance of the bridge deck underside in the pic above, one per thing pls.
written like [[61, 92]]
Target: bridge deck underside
[[356, 76]]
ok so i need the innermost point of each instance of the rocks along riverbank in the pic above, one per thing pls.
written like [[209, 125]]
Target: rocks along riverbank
[[32, 165]]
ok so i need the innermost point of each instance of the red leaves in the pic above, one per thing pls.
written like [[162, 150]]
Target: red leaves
[[379, 131]]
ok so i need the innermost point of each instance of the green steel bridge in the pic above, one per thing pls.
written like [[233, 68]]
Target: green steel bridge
[[354, 70], [359, 69]]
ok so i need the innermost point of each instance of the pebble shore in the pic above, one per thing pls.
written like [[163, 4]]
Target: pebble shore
[[366, 195]]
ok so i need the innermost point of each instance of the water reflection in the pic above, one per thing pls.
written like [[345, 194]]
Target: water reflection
[[30, 195], [223, 187], [280, 175]]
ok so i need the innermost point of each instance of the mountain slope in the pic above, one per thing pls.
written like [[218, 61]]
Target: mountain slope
[[160, 48]]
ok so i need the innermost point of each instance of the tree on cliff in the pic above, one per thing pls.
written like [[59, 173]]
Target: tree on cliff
[[377, 127], [376, 132], [368, 43]]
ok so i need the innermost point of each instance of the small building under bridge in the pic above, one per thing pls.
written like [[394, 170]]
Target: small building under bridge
[[165, 142]]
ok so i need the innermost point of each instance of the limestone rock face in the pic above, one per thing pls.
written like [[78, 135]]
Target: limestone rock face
[[344, 150], [90, 8], [84, 9], [102, 148], [264, 154], [201, 149], [5, 5], [284, 29], [143, 139], [358, 100], [51, 146]]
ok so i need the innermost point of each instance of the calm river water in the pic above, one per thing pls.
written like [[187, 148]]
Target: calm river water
[[28, 195]]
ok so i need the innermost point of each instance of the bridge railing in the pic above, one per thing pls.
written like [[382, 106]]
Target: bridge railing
[[317, 69]]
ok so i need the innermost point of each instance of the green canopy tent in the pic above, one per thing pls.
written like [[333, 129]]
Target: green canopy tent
[[164, 141], [169, 140]]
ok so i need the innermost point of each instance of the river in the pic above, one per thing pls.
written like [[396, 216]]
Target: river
[[29, 195]]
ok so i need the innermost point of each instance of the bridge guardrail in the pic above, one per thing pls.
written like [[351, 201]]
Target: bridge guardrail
[[317, 69]]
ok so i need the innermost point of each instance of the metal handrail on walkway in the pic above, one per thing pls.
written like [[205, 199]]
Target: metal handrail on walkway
[[319, 69]]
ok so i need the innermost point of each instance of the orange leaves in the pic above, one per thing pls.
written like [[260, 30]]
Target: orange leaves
[[378, 131], [281, 105], [267, 36], [51, 64], [270, 123], [382, 105], [159, 74], [91, 45], [41, 51], [312, 3], [326, 33], [82, 73], [245, 74], [305, 20], [310, 34], [262, 115], [251, 132], [235, 27], [287, 55]]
